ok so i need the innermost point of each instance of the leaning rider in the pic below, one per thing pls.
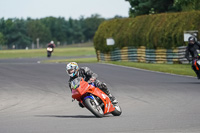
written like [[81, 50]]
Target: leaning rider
[[74, 71], [51, 44], [192, 49]]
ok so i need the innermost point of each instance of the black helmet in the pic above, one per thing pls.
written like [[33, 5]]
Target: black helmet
[[192, 38]]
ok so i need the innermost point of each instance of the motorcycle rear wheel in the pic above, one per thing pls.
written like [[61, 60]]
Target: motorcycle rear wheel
[[117, 111], [93, 108]]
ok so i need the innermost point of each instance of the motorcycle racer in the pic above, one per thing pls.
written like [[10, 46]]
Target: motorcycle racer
[[74, 71], [192, 49], [51, 44]]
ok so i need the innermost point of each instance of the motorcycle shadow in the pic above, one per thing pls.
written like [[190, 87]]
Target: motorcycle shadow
[[193, 82], [68, 116]]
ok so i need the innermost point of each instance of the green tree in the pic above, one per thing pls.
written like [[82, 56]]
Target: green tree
[[187, 5], [2, 30], [16, 34], [57, 26], [141, 7], [2, 39], [2, 25], [90, 25], [36, 29], [75, 31], [23, 33]]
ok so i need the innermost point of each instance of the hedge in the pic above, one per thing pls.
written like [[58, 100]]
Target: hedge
[[152, 31]]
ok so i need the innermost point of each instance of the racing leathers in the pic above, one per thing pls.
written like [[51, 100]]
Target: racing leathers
[[86, 74], [51, 45]]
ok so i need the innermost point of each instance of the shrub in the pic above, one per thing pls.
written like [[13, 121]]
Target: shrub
[[153, 31]]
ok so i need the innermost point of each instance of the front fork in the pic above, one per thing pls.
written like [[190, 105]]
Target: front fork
[[92, 97]]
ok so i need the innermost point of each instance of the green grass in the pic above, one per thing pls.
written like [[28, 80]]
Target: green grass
[[33, 53], [78, 60], [180, 69]]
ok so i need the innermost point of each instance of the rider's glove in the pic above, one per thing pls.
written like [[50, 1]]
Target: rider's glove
[[93, 79]]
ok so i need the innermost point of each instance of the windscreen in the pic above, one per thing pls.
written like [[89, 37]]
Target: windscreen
[[75, 83]]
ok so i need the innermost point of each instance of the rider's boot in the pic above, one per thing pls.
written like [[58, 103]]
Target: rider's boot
[[105, 89], [112, 99]]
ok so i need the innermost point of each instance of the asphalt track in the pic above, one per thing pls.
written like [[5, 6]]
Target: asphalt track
[[35, 98]]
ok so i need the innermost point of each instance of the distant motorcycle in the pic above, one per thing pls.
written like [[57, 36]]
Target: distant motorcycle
[[49, 51], [95, 100], [197, 63]]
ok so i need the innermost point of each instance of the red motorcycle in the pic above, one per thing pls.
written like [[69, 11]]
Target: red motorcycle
[[94, 99]]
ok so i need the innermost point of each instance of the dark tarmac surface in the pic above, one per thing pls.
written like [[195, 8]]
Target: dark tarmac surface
[[35, 98]]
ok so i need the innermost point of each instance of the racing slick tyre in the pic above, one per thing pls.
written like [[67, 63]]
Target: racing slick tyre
[[117, 111], [93, 107]]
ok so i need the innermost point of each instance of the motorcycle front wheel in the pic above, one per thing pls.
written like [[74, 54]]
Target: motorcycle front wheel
[[93, 107], [48, 54]]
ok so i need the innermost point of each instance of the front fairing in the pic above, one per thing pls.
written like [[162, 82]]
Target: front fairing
[[84, 89], [79, 88], [49, 49], [108, 106]]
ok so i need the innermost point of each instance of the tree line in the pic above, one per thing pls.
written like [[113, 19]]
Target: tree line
[[25, 32], [143, 7], [22, 33]]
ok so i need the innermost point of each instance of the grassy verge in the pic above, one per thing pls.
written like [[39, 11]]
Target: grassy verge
[[180, 69], [78, 60], [33, 53], [87, 51]]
